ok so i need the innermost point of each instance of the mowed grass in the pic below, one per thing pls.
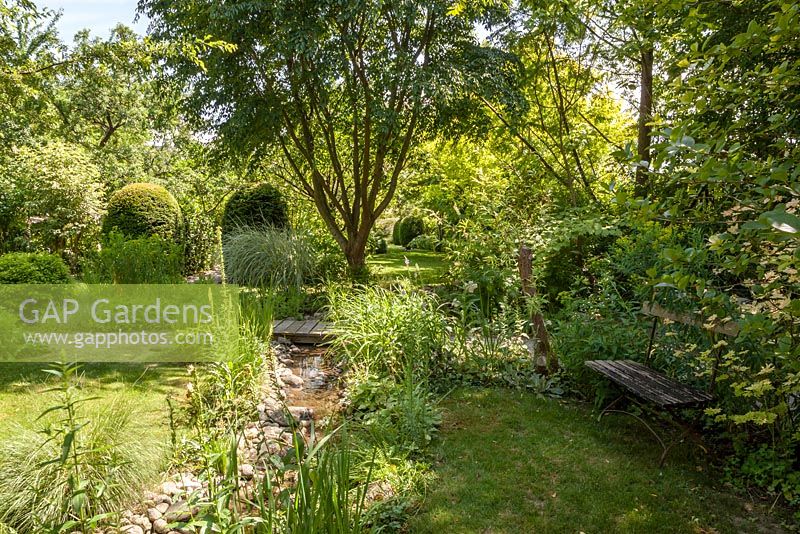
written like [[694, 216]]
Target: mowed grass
[[423, 267], [511, 462], [145, 388]]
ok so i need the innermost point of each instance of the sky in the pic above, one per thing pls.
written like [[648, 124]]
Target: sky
[[97, 15]]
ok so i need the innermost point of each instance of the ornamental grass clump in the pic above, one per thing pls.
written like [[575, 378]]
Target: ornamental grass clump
[[267, 258], [384, 333], [85, 462]]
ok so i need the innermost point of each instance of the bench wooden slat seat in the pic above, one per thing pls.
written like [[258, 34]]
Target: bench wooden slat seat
[[649, 384]]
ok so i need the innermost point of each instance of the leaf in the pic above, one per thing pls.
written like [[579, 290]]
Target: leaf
[[782, 221]]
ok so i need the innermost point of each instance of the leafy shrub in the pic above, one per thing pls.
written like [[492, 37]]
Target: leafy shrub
[[425, 242], [377, 245], [144, 210], [399, 416], [384, 332], [203, 243], [483, 256], [30, 268], [50, 198], [146, 260], [258, 206], [267, 257], [406, 229]]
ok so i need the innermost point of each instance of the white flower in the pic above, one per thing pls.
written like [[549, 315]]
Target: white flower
[[406, 261], [471, 286]]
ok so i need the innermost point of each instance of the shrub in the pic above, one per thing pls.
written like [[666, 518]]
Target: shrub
[[146, 260], [203, 243], [377, 245], [28, 268], [406, 229], [425, 242], [51, 199], [257, 206], [144, 210], [267, 257]]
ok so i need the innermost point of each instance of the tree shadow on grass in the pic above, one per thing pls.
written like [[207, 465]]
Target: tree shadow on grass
[[157, 378]]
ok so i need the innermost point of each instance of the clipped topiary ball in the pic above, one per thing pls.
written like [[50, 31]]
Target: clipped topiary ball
[[406, 229], [143, 210], [29, 268], [260, 205]]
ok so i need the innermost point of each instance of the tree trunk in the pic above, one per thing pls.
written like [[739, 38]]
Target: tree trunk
[[543, 347], [645, 116]]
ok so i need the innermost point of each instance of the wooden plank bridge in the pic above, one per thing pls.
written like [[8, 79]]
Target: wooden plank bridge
[[309, 331]]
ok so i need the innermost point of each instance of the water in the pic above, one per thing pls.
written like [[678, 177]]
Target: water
[[319, 391]]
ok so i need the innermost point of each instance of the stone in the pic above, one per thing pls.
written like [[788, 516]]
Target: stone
[[131, 529], [301, 413], [162, 499], [163, 507], [247, 471], [142, 521], [153, 514], [292, 380], [180, 511], [160, 526], [170, 488]]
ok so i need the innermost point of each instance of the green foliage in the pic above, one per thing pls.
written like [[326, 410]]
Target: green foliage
[[267, 258], [483, 256], [76, 471], [310, 490], [398, 417], [33, 268], [564, 243], [258, 206], [50, 198], [144, 210], [145, 260], [425, 242], [203, 243], [381, 332], [378, 245], [406, 229]]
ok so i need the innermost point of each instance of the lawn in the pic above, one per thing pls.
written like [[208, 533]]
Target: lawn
[[144, 388], [421, 266], [512, 462]]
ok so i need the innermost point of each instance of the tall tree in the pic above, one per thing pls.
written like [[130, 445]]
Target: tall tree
[[342, 90]]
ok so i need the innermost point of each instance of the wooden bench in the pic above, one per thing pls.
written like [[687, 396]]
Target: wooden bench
[[654, 387]]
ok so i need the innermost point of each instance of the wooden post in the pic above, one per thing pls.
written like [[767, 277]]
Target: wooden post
[[525, 263]]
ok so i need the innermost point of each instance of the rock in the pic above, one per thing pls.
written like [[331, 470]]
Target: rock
[[292, 380], [180, 511], [142, 521], [282, 340], [153, 514], [246, 471], [301, 413], [271, 410], [163, 506], [170, 488], [131, 529], [294, 349], [160, 526], [162, 499]]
